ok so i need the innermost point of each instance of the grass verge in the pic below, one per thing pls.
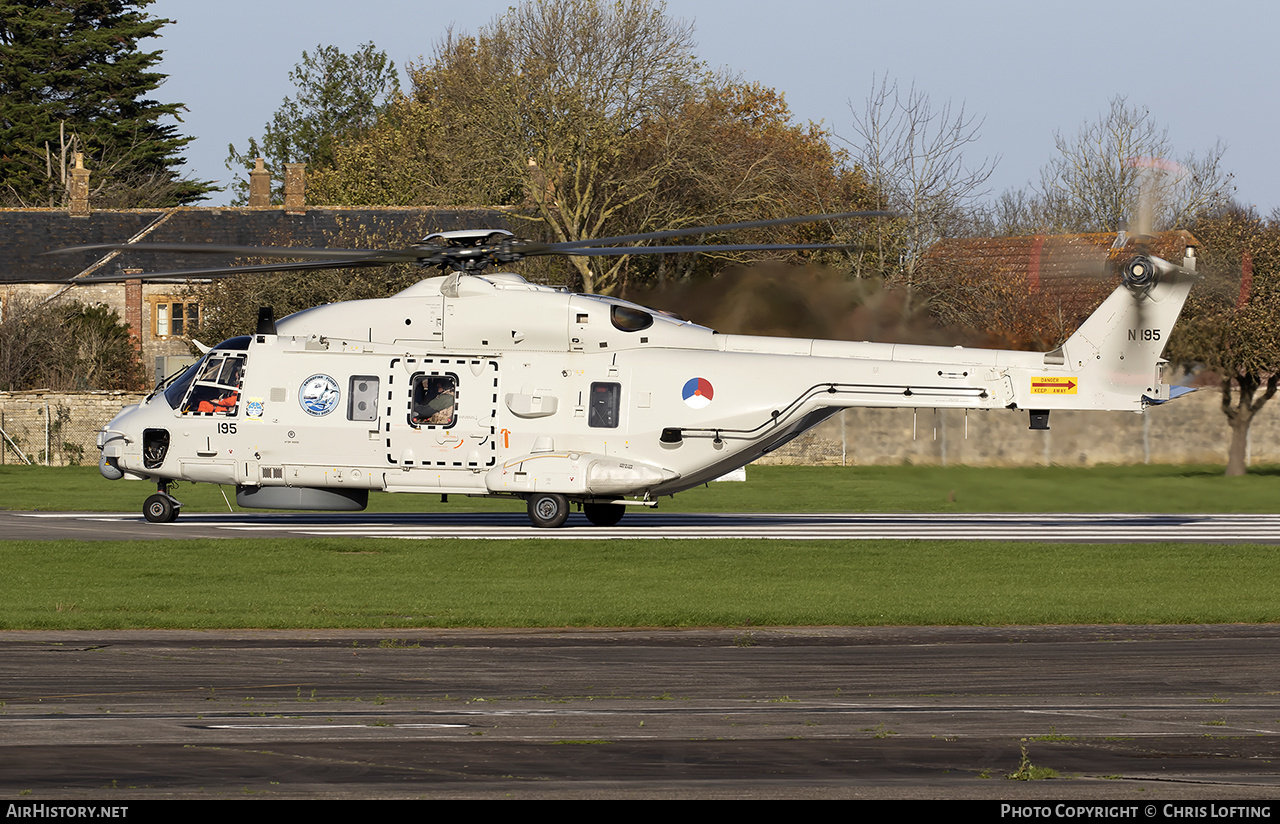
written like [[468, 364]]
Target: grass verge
[[298, 583]]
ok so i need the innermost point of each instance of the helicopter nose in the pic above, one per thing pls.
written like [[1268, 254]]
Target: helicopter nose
[[111, 443], [107, 467]]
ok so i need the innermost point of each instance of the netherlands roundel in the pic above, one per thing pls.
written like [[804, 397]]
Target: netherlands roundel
[[697, 392]]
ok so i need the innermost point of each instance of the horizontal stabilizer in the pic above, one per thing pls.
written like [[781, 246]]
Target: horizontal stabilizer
[[1174, 393]]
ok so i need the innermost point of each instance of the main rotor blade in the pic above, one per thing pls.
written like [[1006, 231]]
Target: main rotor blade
[[739, 247], [391, 256], [229, 271], [702, 230], [462, 257]]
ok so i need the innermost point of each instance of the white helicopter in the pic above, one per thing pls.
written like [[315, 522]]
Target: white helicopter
[[488, 385]]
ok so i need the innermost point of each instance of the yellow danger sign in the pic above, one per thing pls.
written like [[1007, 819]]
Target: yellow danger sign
[[1053, 386]]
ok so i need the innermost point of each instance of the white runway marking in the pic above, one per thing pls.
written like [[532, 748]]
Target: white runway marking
[[388, 725], [1072, 528]]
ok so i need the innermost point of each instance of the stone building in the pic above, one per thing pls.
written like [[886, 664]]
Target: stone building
[[161, 312]]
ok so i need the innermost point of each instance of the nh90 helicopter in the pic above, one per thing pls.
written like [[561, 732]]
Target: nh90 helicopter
[[488, 385]]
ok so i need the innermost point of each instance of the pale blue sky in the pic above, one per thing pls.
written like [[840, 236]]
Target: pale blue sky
[[1207, 71]]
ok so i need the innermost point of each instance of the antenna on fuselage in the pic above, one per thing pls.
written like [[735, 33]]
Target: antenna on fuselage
[[266, 321]]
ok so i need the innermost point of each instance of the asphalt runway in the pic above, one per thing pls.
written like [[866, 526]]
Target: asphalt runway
[[1137, 714], [1075, 528], [1142, 714]]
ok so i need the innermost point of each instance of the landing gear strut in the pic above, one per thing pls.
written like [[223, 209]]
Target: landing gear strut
[[161, 508]]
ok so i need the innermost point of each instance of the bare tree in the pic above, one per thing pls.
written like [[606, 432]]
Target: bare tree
[[1229, 326], [115, 182], [1122, 167], [596, 119], [1019, 212], [30, 351], [64, 345], [913, 156], [566, 90]]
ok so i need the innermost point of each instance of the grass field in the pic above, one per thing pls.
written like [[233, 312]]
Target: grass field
[[320, 583], [229, 583]]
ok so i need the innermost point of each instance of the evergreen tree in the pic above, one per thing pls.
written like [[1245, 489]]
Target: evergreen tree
[[73, 79], [340, 96]]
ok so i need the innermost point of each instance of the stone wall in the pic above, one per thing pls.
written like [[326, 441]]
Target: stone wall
[[67, 422], [1191, 429]]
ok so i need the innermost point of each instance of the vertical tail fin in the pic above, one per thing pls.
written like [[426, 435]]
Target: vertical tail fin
[[1117, 349]]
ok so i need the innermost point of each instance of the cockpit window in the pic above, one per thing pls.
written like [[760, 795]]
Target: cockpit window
[[217, 369], [230, 375], [177, 390], [629, 318], [211, 368], [217, 390]]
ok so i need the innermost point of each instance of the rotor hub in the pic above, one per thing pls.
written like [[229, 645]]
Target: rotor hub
[[1140, 274]]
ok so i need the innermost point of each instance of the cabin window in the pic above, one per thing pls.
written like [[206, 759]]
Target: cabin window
[[630, 318], [602, 411], [435, 400], [216, 390], [362, 398]]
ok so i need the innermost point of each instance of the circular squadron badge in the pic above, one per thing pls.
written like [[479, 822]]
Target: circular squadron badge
[[319, 395]]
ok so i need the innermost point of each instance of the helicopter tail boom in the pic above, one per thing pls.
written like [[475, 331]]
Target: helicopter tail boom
[[1111, 363]]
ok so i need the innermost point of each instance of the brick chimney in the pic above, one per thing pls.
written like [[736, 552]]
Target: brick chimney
[[259, 185], [79, 188], [295, 187], [133, 307]]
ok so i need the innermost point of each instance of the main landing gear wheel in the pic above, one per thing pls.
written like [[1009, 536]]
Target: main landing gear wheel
[[548, 510], [159, 509], [604, 514]]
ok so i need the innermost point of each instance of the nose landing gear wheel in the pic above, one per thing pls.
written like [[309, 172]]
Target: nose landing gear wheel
[[159, 509], [604, 514], [548, 510]]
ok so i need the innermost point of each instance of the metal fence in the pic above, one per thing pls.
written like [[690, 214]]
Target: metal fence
[[55, 429]]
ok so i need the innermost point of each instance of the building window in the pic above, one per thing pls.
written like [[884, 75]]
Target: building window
[[173, 317]]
